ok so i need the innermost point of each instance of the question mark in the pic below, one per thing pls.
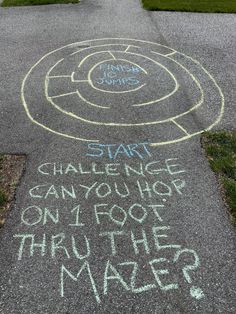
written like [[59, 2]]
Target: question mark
[[195, 292]]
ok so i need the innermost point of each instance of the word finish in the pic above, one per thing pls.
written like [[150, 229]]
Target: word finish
[[118, 75]]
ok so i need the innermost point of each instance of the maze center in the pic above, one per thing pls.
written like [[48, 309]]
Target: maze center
[[117, 76], [124, 84]]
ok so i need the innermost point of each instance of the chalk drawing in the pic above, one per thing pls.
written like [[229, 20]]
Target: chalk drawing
[[195, 292], [121, 55], [114, 212], [140, 169], [142, 240], [146, 189], [158, 272], [111, 235], [112, 75], [77, 219], [116, 276], [138, 150], [133, 278], [85, 266], [39, 215]]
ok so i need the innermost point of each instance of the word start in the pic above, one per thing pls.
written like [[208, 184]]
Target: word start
[[113, 151]]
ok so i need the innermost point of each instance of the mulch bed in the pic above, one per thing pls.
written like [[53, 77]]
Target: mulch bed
[[11, 170]]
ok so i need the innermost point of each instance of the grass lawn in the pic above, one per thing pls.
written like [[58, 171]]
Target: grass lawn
[[226, 6], [11, 3], [220, 149]]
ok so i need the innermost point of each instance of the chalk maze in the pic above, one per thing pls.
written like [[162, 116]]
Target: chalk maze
[[94, 90]]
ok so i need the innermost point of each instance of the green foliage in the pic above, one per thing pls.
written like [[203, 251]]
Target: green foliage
[[230, 192], [227, 6], [221, 151], [10, 3]]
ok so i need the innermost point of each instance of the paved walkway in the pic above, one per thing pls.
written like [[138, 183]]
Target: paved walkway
[[118, 211]]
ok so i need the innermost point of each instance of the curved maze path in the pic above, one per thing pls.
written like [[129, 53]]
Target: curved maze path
[[93, 88]]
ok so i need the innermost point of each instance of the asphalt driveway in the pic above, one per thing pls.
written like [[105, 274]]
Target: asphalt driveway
[[118, 210]]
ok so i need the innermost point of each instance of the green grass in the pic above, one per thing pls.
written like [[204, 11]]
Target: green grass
[[211, 6], [11, 3], [220, 149]]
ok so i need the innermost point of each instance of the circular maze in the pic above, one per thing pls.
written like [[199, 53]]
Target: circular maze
[[120, 88]]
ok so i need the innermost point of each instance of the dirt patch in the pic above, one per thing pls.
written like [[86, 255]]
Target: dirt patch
[[11, 170]]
